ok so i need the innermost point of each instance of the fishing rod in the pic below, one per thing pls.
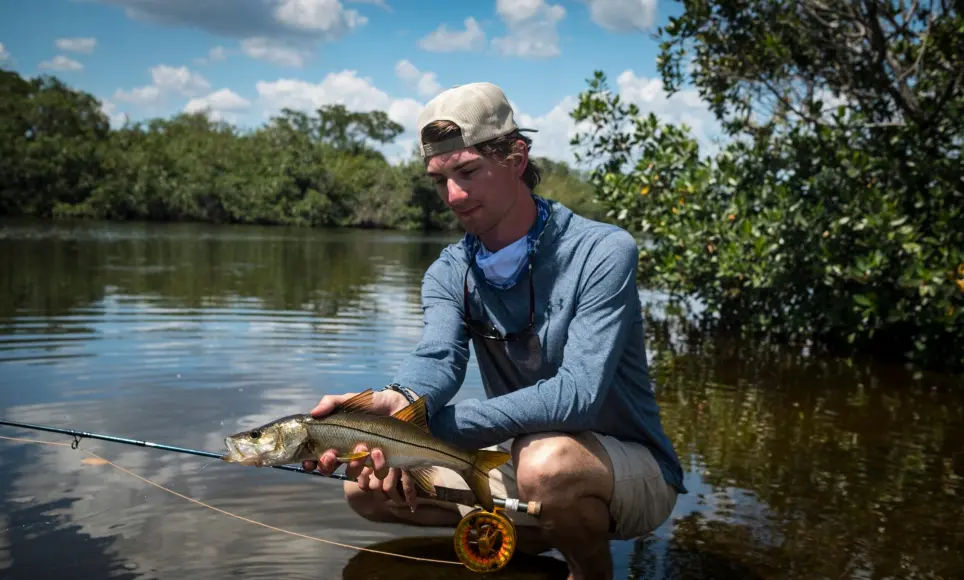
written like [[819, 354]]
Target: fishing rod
[[446, 494]]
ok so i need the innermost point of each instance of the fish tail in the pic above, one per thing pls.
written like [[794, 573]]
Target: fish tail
[[477, 476]]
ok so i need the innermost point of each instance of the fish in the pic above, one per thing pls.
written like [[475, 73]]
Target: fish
[[403, 437]]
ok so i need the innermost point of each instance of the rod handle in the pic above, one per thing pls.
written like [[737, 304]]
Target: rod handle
[[534, 508], [466, 497]]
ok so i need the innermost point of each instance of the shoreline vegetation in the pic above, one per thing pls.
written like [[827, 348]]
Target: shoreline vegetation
[[831, 219]]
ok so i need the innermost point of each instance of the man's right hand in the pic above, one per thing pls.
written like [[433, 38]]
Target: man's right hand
[[385, 478]]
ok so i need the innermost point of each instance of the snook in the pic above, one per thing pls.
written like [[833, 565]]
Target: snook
[[404, 438]]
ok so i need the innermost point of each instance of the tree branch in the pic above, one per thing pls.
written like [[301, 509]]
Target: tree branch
[[900, 93], [942, 100], [920, 57], [906, 15]]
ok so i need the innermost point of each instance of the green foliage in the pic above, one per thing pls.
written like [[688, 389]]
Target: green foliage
[[59, 158], [50, 141], [842, 226], [568, 187]]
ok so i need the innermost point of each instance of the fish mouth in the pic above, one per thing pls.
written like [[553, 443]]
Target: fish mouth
[[234, 454]]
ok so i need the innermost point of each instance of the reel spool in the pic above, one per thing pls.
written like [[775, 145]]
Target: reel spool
[[485, 541]]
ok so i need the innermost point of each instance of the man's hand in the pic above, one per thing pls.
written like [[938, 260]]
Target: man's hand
[[378, 477]]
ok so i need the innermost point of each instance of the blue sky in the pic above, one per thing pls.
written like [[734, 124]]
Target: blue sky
[[243, 60]]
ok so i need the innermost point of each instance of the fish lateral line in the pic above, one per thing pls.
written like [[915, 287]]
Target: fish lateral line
[[361, 430]]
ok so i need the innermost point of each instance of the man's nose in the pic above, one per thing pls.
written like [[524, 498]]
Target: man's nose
[[455, 193]]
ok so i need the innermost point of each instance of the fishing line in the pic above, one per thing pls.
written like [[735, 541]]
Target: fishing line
[[74, 445]]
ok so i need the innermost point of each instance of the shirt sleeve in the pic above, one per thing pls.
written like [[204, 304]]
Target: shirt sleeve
[[437, 367], [571, 399]]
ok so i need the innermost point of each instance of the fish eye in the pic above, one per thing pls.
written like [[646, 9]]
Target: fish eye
[[255, 434]]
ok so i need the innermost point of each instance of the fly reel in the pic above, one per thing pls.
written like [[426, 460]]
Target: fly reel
[[485, 541]]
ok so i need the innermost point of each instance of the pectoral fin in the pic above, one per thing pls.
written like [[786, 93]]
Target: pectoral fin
[[353, 456]]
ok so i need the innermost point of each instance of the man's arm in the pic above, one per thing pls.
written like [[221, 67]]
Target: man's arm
[[570, 400], [436, 369]]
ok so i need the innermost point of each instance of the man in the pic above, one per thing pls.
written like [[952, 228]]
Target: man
[[549, 301]]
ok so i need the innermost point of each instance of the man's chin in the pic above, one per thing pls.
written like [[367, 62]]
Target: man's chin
[[469, 224]]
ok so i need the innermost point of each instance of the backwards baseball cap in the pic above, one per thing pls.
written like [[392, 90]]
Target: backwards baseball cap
[[481, 111]]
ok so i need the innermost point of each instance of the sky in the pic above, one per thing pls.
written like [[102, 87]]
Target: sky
[[243, 60]]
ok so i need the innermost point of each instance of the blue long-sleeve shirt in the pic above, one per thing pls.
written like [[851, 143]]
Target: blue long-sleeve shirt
[[593, 373]]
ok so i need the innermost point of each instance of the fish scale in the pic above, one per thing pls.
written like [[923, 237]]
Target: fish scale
[[404, 445]]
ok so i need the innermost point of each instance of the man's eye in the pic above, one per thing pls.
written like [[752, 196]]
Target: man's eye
[[464, 174]]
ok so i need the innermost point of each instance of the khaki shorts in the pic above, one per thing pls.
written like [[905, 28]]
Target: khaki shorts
[[641, 498]]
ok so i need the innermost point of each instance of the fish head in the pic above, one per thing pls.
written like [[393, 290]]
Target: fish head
[[275, 443]]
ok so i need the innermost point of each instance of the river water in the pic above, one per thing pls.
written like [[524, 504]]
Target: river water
[[181, 333]]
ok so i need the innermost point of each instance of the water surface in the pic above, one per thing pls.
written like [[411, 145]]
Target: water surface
[[181, 333]]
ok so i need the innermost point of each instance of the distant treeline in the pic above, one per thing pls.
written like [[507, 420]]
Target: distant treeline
[[60, 158]]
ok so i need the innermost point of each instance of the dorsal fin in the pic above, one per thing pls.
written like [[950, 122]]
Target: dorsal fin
[[360, 403], [414, 414]]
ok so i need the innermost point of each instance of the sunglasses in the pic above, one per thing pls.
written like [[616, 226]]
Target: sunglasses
[[487, 329]]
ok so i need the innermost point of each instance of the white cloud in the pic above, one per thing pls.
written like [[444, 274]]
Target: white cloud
[[685, 106], [426, 83], [83, 45], [220, 105], [168, 81], [216, 54], [224, 99], [345, 87], [146, 95], [179, 80], [116, 117], [327, 18], [405, 112], [532, 28], [517, 11], [401, 151], [444, 40], [556, 127], [348, 89], [623, 15], [4, 55], [61, 63], [275, 52]]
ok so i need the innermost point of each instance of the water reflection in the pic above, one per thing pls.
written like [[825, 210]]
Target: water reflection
[[815, 468], [369, 566], [799, 468]]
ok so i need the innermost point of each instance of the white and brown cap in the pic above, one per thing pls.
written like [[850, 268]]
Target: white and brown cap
[[481, 110]]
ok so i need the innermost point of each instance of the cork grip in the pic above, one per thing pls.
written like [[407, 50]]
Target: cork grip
[[534, 508]]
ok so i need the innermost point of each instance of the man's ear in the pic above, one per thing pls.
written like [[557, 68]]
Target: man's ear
[[521, 158]]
